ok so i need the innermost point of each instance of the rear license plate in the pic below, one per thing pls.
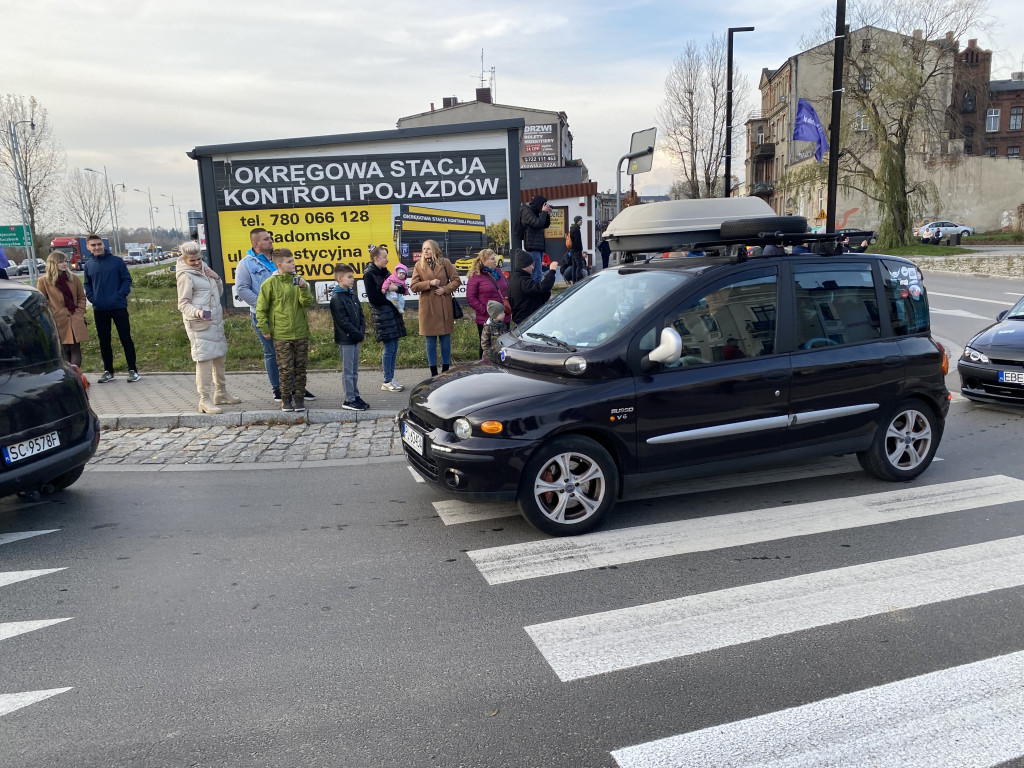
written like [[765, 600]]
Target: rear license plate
[[412, 438], [27, 448], [1011, 377]]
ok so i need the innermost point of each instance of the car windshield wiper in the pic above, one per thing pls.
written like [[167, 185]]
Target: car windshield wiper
[[551, 340]]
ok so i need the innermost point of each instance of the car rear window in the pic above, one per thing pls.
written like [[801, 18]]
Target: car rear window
[[27, 331], [907, 298]]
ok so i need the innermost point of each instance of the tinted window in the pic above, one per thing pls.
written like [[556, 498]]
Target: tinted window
[[730, 321], [27, 333], [835, 304], [906, 297]]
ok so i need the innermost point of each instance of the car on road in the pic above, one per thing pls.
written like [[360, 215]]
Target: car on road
[[991, 367], [466, 264], [26, 267], [48, 431], [936, 230], [677, 367]]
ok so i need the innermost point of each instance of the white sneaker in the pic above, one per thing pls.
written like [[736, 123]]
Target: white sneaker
[[391, 386]]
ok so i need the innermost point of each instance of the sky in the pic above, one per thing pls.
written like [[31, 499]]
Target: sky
[[133, 85]]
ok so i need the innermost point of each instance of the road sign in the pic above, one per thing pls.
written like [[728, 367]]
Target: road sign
[[642, 140], [14, 236]]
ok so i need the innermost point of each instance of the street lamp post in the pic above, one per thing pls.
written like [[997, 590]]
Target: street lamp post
[[110, 204], [152, 237], [174, 209], [19, 182], [728, 110], [117, 226]]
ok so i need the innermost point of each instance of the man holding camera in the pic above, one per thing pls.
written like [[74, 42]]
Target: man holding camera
[[534, 218]]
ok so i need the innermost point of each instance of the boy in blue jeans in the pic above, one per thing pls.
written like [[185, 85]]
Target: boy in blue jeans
[[349, 332]]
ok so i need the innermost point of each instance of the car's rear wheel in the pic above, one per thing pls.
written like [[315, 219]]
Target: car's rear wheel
[[61, 482], [568, 486], [904, 444], [736, 229]]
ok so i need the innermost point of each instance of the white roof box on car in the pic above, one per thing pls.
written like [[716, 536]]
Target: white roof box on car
[[676, 224]]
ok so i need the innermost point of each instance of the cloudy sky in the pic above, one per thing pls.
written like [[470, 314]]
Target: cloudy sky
[[135, 84]]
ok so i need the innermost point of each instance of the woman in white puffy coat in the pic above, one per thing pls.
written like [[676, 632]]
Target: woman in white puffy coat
[[199, 292]]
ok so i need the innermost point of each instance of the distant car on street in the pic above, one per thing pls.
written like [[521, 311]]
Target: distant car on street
[[26, 266], [858, 235], [936, 230], [466, 264], [991, 367]]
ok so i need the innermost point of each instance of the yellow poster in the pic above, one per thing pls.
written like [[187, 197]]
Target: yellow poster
[[318, 237], [557, 229]]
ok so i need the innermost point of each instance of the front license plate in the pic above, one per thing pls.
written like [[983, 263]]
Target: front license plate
[[1011, 377], [412, 438], [26, 448]]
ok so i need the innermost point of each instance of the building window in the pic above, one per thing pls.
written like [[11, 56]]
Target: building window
[[968, 147], [1013, 151], [970, 101], [990, 151], [860, 123], [992, 121], [865, 45], [1015, 117], [864, 81]]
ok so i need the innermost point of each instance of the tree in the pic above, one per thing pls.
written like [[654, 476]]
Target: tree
[[86, 203], [497, 236], [692, 116], [40, 156], [897, 71]]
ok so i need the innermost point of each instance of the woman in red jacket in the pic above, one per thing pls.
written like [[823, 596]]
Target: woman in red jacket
[[486, 283]]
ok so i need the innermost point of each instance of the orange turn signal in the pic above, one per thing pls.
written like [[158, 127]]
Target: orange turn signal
[[491, 427]]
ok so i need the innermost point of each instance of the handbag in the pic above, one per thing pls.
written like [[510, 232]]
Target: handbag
[[456, 307], [504, 299]]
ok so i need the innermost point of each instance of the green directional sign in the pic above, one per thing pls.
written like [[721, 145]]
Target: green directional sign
[[14, 236]]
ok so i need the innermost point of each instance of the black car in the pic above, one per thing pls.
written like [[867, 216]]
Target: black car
[[48, 432], [992, 366], [675, 367]]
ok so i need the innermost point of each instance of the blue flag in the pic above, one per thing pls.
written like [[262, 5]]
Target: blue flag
[[808, 128]]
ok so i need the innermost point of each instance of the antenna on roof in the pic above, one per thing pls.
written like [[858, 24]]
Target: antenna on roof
[[484, 82]]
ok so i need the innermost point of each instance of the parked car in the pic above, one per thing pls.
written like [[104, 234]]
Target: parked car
[[991, 367], [677, 367], [466, 264], [48, 432], [26, 266], [857, 236], [936, 230]]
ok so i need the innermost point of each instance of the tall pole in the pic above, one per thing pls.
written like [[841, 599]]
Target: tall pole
[[117, 227], [19, 181], [152, 237], [174, 209], [728, 110], [837, 105], [110, 205]]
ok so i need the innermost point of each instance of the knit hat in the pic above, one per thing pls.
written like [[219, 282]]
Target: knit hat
[[578, 218], [494, 308], [402, 270], [524, 259]]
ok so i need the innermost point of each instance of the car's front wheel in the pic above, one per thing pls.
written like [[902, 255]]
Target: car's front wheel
[[904, 444], [568, 486]]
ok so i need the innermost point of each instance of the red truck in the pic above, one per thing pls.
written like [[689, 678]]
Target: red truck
[[75, 248]]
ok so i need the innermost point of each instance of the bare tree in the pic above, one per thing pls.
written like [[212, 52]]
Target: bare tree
[[40, 160], [86, 203], [692, 116], [898, 71]]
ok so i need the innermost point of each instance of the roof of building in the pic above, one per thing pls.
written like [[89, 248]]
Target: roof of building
[[1006, 85], [560, 192]]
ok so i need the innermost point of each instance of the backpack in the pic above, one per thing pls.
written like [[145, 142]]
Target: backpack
[[568, 240], [517, 231]]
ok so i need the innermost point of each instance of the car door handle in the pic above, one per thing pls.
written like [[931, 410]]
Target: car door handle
[[778, 375], [893, 361]]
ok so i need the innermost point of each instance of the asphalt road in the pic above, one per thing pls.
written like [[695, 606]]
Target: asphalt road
[[333, 618]]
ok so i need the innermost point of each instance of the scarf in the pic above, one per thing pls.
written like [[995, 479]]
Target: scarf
[[494, 273], [64, 286]]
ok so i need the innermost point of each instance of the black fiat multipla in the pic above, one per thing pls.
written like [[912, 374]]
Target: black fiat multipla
[[666, 368]]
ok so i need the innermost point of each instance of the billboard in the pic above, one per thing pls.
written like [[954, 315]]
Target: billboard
[[540, 146], [329, 198]]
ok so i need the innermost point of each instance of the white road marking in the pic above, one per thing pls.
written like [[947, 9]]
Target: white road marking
[[456, 511], [548, 557], [958, 313], [7, 538], [967, 716], [629, 637], [12, 701], [971, 298], [14, 628], [10, 577], [416, 475]]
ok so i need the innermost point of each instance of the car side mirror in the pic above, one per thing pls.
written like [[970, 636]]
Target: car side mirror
[[666, 353], [1001, 315]]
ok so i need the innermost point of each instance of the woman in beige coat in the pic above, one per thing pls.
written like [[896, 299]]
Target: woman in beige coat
[[435, 280], [66, 296], [199, 291]]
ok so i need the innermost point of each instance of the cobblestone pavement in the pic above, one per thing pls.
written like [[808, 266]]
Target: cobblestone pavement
[[250, 444]]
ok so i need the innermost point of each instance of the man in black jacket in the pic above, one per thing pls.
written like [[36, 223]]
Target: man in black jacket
[[524, 293], [534, 218], [576, 251]]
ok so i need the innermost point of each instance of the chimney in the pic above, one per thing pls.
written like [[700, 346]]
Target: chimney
[[450, 101], [483, 95], [918, 34], [1017, 77], [431, 106]]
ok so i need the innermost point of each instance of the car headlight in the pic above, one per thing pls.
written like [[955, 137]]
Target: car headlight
[[463, 430], [970, 353]]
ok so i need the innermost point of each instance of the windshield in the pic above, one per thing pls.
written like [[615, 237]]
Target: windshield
[[27, 332], [594, 311], [1017, 312]]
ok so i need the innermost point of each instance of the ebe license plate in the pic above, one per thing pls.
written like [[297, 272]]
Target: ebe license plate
[[412, 438], [1011, 377], [26, 448]]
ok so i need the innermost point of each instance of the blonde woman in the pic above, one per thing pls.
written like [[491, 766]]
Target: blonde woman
[[435, 280], [199, 292], [486, 283], [66, 296]]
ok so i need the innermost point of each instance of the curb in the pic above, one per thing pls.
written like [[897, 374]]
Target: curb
[[110, 421]]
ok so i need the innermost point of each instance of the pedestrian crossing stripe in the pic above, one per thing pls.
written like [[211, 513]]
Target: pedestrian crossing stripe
[[9, 702], [7, 538], [10, 577], [629, 637], [967, 716], [14, 628], [550, 557]]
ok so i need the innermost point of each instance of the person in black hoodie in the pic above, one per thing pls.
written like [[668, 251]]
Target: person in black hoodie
[[534, 218], [107, 285], [388, 325], [349, 332], [524, 293]]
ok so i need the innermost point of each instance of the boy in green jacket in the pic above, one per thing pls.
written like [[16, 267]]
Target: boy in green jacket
[[281, 315]]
